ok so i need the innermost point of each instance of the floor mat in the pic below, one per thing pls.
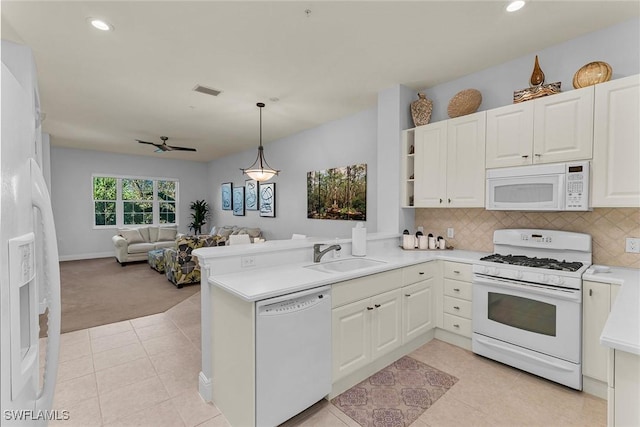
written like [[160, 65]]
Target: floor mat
[[395, 396]]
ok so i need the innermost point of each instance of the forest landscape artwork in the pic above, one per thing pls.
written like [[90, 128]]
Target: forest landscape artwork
[[338, 193]]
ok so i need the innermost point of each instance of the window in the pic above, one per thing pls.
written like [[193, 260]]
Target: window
[[124, 201]]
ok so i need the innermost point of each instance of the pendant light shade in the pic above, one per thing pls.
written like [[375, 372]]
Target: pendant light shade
[[260, 169]]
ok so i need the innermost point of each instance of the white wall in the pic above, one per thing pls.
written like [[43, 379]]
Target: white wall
[[619, 46], [351, 140], [71, 194]]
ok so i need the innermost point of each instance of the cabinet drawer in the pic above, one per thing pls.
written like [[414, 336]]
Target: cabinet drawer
[[457, 289], [458, 271], [456, 306], [365, 287], [458, 325], [419, 272]]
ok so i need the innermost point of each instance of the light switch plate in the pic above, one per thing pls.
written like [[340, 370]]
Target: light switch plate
[[248, 261], [632, 245], [450, 233]]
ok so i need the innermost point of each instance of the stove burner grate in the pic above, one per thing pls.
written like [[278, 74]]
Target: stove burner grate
[[525, 261]]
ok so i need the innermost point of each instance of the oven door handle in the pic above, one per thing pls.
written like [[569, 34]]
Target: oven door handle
[[522, 354], [569, 295]]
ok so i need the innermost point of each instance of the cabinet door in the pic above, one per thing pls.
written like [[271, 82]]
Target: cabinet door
[[510, 135], [616, 148], [563, 126], [430, 165], [417, 309], [465, 161], [351, 330], [596, 304], [386, 323]]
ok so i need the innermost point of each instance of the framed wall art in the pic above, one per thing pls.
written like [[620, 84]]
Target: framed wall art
[[251, 195], [238, 201], [226, 196], [338, 193], [267, 199]]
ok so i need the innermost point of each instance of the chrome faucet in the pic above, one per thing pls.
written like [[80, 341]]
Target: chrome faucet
[[318, 254]]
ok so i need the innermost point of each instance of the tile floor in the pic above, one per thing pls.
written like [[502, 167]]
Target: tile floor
[[144, 372]]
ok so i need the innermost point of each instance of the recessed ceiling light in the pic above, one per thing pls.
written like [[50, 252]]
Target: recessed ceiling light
[[515, 5], [100, 24]]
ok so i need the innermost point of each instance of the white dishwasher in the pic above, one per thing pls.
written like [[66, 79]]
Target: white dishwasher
[[293, 354]]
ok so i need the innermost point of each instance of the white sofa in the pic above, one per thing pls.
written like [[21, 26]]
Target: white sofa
[[133, 244]]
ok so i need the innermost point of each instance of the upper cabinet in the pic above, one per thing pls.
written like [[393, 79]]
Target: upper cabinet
[[616, 152], [448, 166], [551, 129]]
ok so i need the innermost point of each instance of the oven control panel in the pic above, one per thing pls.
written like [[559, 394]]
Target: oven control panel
[[537, 238], [577, 186]]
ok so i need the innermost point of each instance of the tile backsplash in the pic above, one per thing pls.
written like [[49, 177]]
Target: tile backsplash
[[474, 228]]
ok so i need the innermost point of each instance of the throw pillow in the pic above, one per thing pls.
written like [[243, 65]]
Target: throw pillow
[[153, 234], [132, 236], [253, 232], [144, 232], [165, 234]]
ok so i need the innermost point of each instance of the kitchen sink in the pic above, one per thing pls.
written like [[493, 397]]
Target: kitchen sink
[[345, 265]]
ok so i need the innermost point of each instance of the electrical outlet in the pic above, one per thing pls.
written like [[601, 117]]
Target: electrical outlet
[[248, 261], [633, 245], [450, 233]]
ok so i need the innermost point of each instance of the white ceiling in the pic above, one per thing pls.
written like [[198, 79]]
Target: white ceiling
[[104, 90]]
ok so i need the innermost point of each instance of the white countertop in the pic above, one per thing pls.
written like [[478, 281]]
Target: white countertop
[[254, 284], [622, 330]]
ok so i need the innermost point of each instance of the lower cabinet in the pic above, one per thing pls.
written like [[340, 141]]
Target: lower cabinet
[[457, 293], [365, 330], [417, 309]]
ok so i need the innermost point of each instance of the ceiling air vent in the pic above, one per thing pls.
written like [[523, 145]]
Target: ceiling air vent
[[207, 90]]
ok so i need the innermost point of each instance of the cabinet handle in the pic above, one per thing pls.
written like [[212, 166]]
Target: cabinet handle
[[377, 305], [456, 289], [590, 292], [456, 307], [455, 325], [440, 200], [369, 308], [421, 273], [449, 200], [525, 157], [538, 155], [456, 271]]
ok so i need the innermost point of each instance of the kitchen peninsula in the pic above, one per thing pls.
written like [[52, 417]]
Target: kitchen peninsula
[[386, 292]]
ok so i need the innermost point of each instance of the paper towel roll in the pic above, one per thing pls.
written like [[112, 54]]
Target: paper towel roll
[[359, 240]]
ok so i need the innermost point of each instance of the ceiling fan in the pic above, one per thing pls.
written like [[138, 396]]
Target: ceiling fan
[[160, 148]]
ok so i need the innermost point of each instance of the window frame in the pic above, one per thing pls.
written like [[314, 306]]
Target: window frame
[[156, 201]]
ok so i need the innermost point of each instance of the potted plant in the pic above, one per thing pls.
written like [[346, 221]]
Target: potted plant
[[200, 215]]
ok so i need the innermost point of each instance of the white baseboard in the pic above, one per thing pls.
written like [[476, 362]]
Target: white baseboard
[[86, 256], [205, 387]]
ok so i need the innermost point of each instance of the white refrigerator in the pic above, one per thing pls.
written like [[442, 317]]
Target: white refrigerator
[[29, 271]]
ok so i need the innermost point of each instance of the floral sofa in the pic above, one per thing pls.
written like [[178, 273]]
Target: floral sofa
[[180, 266], [133, 244]]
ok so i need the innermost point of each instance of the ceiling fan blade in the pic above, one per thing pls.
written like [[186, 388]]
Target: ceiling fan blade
[[172, 147], [145, 142]]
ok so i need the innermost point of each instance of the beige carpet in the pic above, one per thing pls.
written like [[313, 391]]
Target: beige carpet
[[99, 291], [395, 396]]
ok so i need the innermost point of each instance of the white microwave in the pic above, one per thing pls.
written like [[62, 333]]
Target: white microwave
[[548, 187]]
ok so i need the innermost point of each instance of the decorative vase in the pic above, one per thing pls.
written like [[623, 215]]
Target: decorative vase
[[421, 110], [591, 74], [537, 76]]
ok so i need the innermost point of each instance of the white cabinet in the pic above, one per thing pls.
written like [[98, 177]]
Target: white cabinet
[[419, 301], [596, 304], [448, 162], [430, 182], [627, 389], [457, 291], [616, 152], [386, 324], [510, 135], [551, 129]]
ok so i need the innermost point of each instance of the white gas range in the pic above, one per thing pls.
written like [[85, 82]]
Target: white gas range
[[527, 302]]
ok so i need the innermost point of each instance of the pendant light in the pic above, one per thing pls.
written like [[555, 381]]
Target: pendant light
[[260, 169]]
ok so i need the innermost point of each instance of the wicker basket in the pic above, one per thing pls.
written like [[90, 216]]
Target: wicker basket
[[464, 102], [591, 74]]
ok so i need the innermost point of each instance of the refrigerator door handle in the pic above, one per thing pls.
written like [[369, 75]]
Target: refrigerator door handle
[[41, 200]]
